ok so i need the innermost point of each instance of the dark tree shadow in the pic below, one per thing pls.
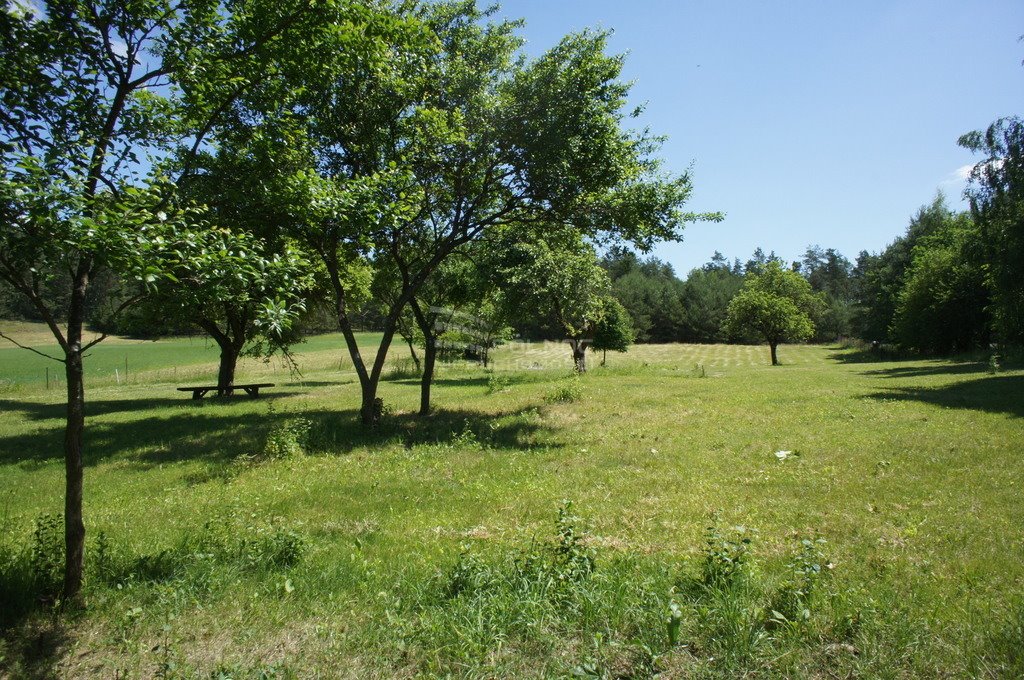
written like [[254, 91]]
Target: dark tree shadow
[[101, 407], [314, 383], [505, 378], [871, 356], [929, 369], [994, 394], [34, 649], [181, 430]]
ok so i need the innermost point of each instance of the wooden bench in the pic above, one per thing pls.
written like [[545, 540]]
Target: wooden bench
[[252, 390]]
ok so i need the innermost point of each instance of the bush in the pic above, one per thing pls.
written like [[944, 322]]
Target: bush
[[290, 438], [567, 391]]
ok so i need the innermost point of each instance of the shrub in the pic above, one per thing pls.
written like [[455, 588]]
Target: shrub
[[791, 603], [725, 554], [566, 391], [290, 438], [47, 554]]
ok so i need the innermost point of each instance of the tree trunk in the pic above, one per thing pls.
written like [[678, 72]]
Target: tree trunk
[[230, 349], [74, 472], [226, 372], [775, 356], [74, 525], [579, 355], [429, 355], [604, 357], [427, 379]]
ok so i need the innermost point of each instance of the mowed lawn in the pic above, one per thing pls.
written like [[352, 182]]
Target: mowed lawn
[[278, 538]]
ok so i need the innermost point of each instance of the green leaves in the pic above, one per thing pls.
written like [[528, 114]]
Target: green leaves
[[775, 305], [996, 193]]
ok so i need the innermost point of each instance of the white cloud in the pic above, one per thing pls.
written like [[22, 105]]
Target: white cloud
[[958, 176]]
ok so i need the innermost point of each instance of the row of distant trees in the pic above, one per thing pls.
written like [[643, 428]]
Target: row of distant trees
[[953, 282]]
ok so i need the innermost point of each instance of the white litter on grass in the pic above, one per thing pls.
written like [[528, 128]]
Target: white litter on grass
[[783, 455]]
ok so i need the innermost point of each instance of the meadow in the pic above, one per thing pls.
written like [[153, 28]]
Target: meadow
[[683, 511]]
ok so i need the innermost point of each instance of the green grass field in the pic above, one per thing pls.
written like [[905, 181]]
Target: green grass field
[[277, 538]]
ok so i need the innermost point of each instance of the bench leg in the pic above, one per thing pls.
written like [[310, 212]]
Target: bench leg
[[253, 392], [198, 394]]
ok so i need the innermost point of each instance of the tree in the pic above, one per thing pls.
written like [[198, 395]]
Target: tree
[[774, 305], [248, 302], [457, 137], [91, 92], [458, 309], [706, 294], [559, 275], [614, 331], [943, 305], [829, 273], [255, 305], [996, 195], [878, 279]]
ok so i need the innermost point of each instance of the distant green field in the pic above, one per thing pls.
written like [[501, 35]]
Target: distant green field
[[278, 538], [149, 361]]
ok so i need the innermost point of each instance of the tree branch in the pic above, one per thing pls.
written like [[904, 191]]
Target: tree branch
[[30, 349]]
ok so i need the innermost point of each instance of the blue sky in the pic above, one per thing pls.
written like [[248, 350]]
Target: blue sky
[[806, 122]]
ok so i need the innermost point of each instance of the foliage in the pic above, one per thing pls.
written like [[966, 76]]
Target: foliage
[[942, 307], [725, 555], [558, 276], [774, 305], [880, 278], [650, 292], [706, 295], [996, 194], [289, 439], [792, 603], [615, 329], [831, 274]]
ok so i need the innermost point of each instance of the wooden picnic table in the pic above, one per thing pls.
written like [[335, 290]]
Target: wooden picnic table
[[253, 389]]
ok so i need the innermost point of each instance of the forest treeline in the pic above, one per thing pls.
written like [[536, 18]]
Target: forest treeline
[[925, 292]]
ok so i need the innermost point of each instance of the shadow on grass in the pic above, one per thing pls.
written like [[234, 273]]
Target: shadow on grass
[[871, 356], [100, 407], [929, 369], [316, 383], [994, 394], [479, 381], [35, 649], [506, 378], [182, 430]]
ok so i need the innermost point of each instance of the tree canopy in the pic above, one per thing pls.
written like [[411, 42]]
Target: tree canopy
[[775, 305], [996, 194]]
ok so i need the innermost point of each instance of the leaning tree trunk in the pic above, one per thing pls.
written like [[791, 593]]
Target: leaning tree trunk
[[230, 349], [427, 379], [429, 355], [775, 356]]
